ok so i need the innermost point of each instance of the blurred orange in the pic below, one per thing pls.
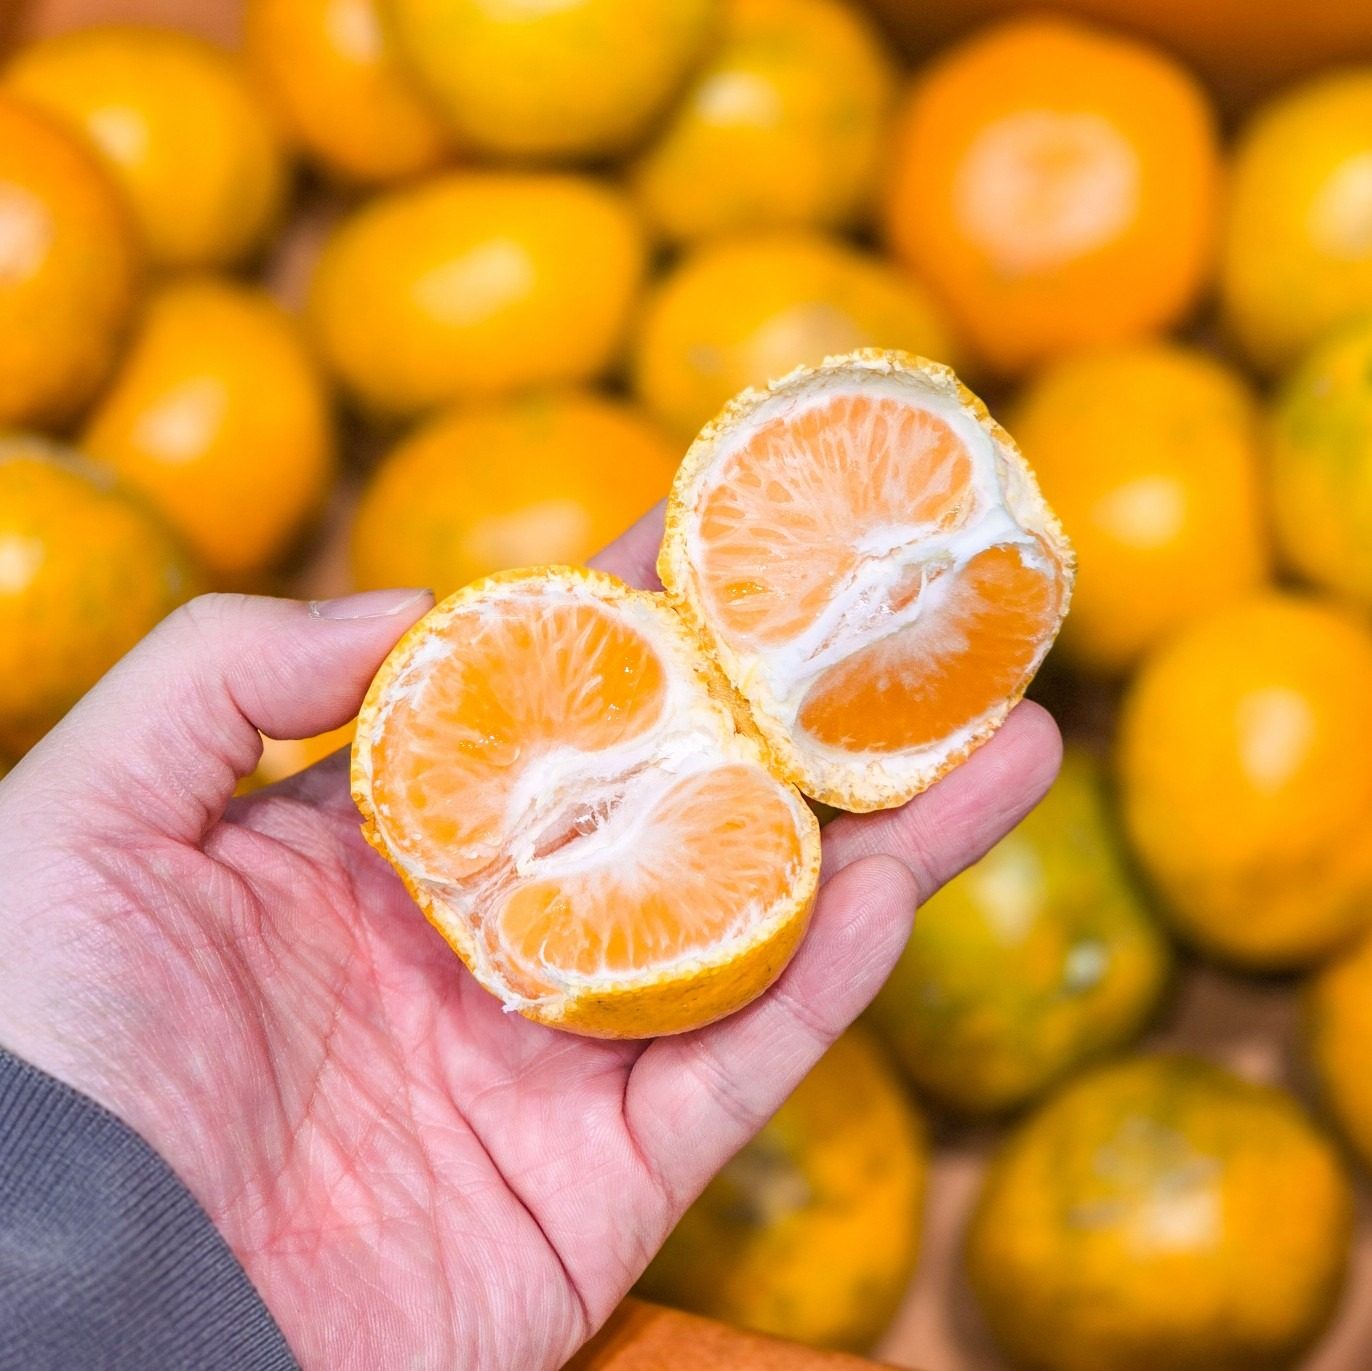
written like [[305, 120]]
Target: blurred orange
[[219, 417], [1297, 253], [1150, 456], [574, 79], [548, 477], [85, 571], [1339, 1034], [335, 81], [1161, 1215], [69, 268], [284, 757], [745, 310], [784, 126], [475, 284], [1244, 777], [179, 126], [1058, 185]]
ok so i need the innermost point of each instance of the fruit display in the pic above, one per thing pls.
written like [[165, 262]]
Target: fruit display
[[969, 350]]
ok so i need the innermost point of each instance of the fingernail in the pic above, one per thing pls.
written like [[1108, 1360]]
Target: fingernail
[[371, 604]]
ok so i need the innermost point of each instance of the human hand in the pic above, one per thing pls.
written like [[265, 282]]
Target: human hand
[[411, 1176]]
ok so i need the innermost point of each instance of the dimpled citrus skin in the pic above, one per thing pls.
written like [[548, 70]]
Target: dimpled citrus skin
[[1321, 465], [69, 269], [1058, 186], [783, 126], [574, 470], [1152, 456], [333, 76], [813, 1230], [179, 126], [219, 416], [1161, 1215], [576, 79], [85, 571], [1036, 960], [476, 284], [744, 310], [1244, 782], [1296, 256], [1338, 1023]]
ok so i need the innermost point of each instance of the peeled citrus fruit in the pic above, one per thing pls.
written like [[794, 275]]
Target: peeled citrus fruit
[[1297, 251], [784, 125], [334, 77], [1037, 959], [1321, 473], [476, 284], [85, 571], [1058, 185], [574, 469], [1339, 1036], [575, 79], [1151, 453], [218, 414], [812, 1231], [560, 782], [1244, 779], [865, 553], [1161, 1215], [180, 127], [69, 268], [742, 310]]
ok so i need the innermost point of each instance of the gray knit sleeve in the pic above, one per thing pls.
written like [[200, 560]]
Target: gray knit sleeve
[[106, 1260]]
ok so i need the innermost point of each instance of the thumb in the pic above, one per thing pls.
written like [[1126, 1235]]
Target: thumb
[[171, 729]]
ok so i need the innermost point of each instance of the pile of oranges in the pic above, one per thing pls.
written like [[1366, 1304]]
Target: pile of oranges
[[406, 292]]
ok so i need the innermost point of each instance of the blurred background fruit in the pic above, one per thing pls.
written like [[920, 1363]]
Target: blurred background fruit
[[1339, 1035], [1243, 764], [85, 571], [1150, 455], [219, 417], [336, 83], [812, 1231], [746, 309], [1058, 185], [1298, 237], [285, 757], [783, 127], [69, 267], [1037, 960], [1322, 464], [573, 470], [576, 79], [476, 284], [1161, 1215], [178, 125]]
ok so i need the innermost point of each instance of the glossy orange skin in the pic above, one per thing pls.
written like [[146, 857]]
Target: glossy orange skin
[[85, 571], [1161, 1215], [335, 80], [1058, 184], [179, 126], [219, 416], [1244, 779], [476, 284], [538, 478], [1338, 1022], [1152, 456], [70, 269]]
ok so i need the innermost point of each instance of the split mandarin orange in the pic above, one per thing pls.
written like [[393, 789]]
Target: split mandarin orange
[[559, 779], [476, 284], [865, 553], [739, 311], [180, 127], [1338, 1024], [784, 125], [336, 82], [1058, 185], [541, 477], [1151, 455], [69, 269]]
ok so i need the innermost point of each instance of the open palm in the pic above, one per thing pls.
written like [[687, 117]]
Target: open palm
[[411, 1176]]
